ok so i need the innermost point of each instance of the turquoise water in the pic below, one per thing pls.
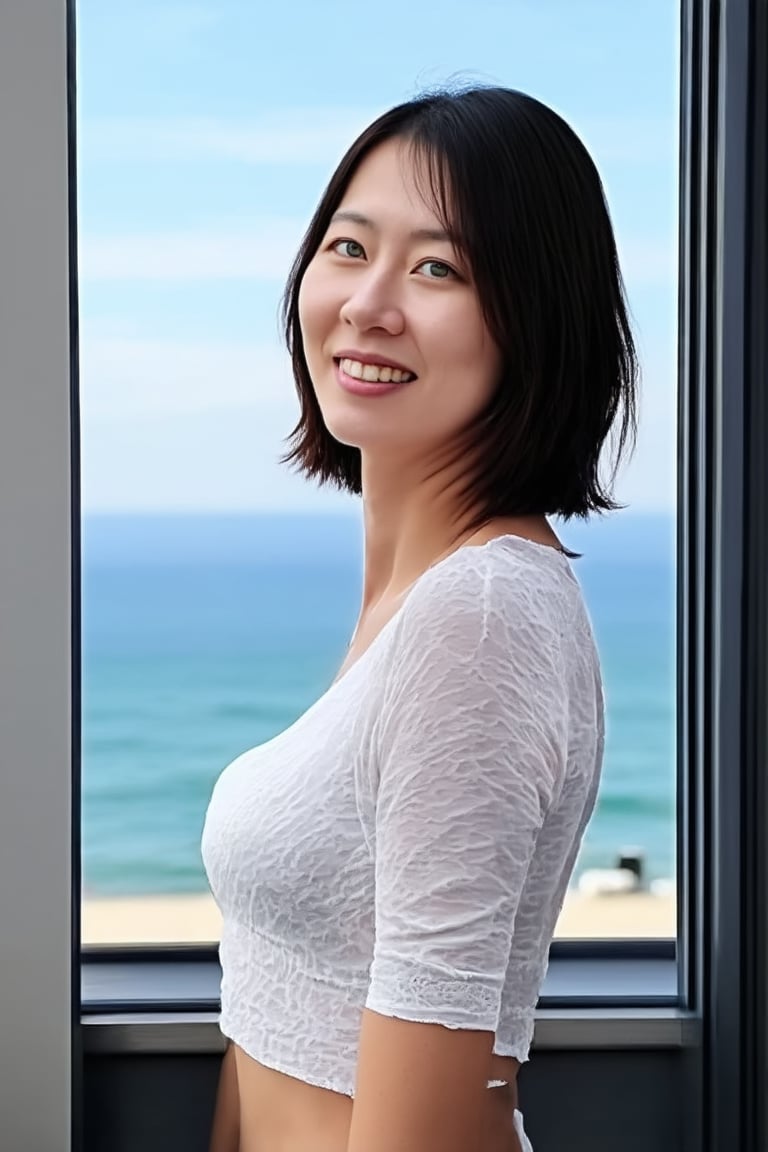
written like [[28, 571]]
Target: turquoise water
[[206, 635]]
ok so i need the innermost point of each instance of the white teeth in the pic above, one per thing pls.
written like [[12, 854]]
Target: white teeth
[[375, 373]]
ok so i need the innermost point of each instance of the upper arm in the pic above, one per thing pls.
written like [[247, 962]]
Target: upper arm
[[471, 752], [471, 745], [420, 1087]]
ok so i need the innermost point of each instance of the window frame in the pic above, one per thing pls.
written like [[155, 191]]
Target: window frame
[[39, 527], [722, 562], [720, 1017]]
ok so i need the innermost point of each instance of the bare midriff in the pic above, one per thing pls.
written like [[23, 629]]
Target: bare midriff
[[279, 1113]]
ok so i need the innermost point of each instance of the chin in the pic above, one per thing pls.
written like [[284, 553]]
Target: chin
[[356, 430], [354, 438]]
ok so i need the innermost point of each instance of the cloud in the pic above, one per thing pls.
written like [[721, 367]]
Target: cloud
[[196, 461], [298, 136], [263, 252], [123, 378], [319, 136]]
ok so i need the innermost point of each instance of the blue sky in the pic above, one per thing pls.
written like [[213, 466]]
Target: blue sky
[[206, 133]]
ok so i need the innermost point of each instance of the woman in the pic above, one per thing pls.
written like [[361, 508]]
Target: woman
[[390, 869]]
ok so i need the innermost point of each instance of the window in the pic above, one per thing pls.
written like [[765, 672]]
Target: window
[[722, 589], [219, 589]]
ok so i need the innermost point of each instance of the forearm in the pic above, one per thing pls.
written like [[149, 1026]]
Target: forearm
[[225, 1131]]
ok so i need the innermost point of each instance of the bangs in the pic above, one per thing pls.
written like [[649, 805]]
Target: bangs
[[437, 186]]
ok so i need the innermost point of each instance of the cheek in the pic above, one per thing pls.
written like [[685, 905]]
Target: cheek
[[306, 301], [465, 346], [314, 305]]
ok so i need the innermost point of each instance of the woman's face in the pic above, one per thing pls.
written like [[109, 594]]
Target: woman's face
[[386, 284]]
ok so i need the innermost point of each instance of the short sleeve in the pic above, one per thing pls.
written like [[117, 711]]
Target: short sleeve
[[471, 751]]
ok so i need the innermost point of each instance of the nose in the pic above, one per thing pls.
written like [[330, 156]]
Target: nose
[[373, 304]]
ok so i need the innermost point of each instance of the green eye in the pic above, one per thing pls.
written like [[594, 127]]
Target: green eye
[[440, 271], [354, 250]]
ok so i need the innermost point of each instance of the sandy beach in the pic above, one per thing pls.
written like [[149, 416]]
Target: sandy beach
[[196, 920]]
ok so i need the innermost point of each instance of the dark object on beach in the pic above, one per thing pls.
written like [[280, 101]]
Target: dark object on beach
[[632, 860]]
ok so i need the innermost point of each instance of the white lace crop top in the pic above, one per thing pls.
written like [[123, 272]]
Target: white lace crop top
[[407, 843]]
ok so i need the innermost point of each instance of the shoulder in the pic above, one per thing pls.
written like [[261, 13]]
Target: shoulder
[[495, 587], [491, 610]]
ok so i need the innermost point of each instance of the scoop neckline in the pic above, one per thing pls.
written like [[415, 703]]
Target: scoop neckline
[[525, 540], [405, 594]]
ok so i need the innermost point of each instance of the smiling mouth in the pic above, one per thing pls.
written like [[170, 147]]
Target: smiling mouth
[[374, 373]]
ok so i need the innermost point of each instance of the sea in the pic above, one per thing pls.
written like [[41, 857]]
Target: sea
[[204, 635]]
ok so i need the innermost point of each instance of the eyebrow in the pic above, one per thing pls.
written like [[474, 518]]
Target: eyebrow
[[417, 234]]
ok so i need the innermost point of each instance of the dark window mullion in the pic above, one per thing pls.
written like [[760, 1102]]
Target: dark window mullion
[[724, 559], [756, 590]]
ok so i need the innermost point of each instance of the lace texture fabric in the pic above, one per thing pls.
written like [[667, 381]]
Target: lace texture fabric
[[406, 845]]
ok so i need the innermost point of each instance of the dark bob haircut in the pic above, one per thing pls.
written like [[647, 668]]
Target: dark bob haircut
[[523, 202]]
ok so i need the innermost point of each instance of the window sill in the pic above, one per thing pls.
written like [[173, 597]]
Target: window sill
[[196, 1033], [597, 994]]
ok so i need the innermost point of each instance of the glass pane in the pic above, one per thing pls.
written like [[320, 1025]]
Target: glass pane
[[220, 589]]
